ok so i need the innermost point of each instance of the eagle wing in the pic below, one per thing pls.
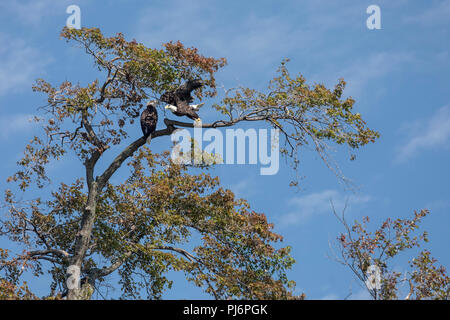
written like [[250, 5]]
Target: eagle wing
[[181, 98], [184, 109], [169, 97], [183, 92]]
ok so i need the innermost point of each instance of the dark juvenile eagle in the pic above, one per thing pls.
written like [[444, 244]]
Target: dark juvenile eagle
[[149, 118], [179, 99]]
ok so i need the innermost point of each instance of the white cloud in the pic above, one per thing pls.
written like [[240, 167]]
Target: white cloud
[[252, 41], [363, 294], [247, 38], [361, 73], [428, 134], [432, 16], [15, 123], [244, 187], [198, 24], [331, 296], [317, 204], [20, 64], [33, 12]]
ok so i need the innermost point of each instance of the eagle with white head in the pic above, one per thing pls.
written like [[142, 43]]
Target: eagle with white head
[[178, 101]]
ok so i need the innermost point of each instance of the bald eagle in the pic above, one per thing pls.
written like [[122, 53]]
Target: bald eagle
[[179, 99], [149, 118]]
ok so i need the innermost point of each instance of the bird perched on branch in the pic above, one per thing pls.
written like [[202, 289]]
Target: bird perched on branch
[[179, 100], [149, 118]]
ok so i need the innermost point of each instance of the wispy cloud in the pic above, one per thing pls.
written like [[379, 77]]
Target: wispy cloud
[[330, 296], [19, 64], [362, 72], [431, 133], [246, 37], [305, 207], [433, 16], [201, 24], [244, 187], [15, 123], [252, 40], [33, 12], [362, 294]]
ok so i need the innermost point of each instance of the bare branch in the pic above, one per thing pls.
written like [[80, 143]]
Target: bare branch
[[185, 253]]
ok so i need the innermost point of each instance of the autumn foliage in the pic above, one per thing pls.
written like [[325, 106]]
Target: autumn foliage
[[360, 248], [163, 216]]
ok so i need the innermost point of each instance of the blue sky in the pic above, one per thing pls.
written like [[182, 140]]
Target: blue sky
[[399, 77]]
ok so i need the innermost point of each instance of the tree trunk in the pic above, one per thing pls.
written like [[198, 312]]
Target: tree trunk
[[82, 244]]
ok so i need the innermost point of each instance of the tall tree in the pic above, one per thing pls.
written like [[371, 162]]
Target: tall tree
[[140, 229], [371, 255]]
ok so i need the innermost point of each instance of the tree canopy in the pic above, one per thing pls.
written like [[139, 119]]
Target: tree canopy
[[141, 228], [360, 249]]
